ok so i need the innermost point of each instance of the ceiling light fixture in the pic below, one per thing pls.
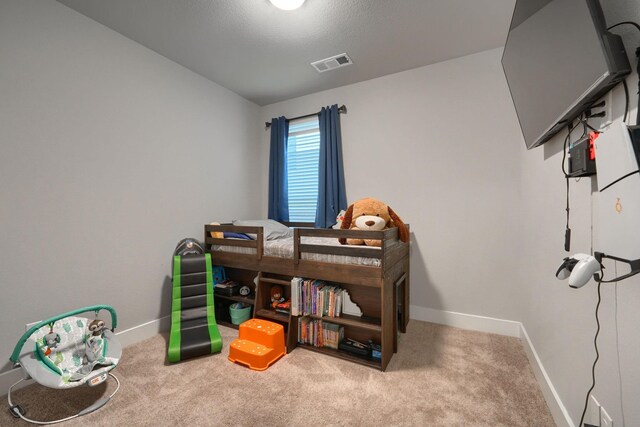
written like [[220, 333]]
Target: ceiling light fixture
[[287, 4]]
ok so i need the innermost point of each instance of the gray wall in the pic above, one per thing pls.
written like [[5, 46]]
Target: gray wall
[[441, 145], [110, 154], [560, 320], [432, 143]]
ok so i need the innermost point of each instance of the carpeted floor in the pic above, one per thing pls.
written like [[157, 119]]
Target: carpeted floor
[[441, 376]]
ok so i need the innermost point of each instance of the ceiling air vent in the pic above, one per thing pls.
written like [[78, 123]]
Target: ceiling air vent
[[331, 63]]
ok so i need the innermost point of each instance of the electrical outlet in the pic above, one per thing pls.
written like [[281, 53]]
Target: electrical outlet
[[605, 419], [594, 412], [29, 325]]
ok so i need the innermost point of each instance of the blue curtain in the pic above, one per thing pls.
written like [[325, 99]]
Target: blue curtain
[[331, 192], [278, 194]]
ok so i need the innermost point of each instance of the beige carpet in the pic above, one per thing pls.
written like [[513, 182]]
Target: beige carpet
[[441, 376]]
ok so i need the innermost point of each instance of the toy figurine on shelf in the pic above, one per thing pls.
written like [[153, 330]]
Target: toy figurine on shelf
[[276, 295], [284, 307]]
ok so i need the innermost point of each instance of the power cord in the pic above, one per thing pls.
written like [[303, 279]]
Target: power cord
[[635, 24], [638, 71], [570, 128], [595, 345], [615, 268], [567, 231], [626, 100]]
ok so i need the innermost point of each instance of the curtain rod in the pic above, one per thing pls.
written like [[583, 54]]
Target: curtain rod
[[342, 109]]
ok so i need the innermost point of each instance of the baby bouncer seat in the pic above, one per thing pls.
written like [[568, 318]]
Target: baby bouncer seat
[[68, 351]]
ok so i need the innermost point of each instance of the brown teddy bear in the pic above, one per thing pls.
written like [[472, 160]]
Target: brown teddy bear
[[372, 215]]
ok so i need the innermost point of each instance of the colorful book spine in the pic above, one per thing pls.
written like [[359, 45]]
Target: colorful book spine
[[319, 333], [296, 289], [315, 297]]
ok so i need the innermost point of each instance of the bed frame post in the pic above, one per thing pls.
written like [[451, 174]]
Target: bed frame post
[[296, 245]]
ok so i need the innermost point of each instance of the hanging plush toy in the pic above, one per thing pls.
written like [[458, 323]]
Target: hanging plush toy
[[371, 215], [94, 342], [51, 340]]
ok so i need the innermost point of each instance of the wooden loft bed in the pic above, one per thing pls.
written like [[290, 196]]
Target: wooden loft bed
[[381, 290]]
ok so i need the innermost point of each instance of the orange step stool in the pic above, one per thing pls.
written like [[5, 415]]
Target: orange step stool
[[260, 343]]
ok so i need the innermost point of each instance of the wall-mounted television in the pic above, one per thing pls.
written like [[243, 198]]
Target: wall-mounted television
[[559, 59]]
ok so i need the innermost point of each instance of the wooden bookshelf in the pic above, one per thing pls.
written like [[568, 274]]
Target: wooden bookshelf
[[222, 302], [343, 355], [272, 315], [264, 310], [369, 323], [376, 299], [236, 298], [369, 326], [276, 281]]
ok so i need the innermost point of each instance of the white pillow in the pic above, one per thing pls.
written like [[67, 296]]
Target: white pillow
[[272, 229]]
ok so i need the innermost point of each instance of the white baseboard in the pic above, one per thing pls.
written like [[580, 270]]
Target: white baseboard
[[508, 328], [557, 408], [126, 338], [7, 379], [144, 331], [466, 321]]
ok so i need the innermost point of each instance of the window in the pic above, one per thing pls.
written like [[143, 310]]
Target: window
[[303, 156]]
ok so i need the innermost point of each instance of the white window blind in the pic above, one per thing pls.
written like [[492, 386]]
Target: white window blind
[[303, 154]]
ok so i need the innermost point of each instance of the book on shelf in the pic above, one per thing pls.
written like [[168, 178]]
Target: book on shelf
[[332, 334], [296, 284], [319, 333], [315, 297]]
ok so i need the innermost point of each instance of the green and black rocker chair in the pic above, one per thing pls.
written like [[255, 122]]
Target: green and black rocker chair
[[194, 331]]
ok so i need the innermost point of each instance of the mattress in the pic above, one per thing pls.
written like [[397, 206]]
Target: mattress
[[283, 248]]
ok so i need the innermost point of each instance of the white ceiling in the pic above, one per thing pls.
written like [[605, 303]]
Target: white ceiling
[[264, 54]]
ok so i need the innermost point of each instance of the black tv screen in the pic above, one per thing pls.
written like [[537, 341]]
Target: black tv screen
[[559, 59]]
